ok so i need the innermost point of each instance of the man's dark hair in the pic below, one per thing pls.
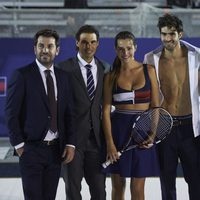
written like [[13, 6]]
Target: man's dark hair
[[87, 29], [170, 21], [47, 33]]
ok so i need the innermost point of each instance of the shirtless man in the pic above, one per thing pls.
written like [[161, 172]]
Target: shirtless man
[[177, 66]]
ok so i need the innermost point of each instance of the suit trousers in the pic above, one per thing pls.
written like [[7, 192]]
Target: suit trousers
[[180, 145], [87, 164], [40, 170]]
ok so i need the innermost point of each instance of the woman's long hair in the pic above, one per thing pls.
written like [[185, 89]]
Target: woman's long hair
[[116, 66]]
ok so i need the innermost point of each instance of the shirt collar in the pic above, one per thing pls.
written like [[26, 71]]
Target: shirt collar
[[188, 45], [83, 62], [42, 68]]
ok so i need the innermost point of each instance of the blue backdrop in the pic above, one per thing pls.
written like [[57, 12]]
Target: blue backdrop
[[16, 53]]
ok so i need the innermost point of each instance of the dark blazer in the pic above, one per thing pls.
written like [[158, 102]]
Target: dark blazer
[[27, 110], [87, 114]]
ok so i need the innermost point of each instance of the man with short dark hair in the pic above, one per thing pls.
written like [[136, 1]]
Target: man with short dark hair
[[178, 70], [86, 73], [40, 118]]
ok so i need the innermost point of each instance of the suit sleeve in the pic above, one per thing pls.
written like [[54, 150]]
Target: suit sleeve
[[13, 108], [70, 115]]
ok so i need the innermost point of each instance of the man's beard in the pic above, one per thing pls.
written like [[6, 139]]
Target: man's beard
[[170, 46]]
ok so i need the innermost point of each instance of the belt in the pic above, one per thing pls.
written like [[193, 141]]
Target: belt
[[45, 143], [180, 122], [51, 142]]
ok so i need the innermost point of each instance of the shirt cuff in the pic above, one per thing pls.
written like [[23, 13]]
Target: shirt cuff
[[70, 145], [19, 145]]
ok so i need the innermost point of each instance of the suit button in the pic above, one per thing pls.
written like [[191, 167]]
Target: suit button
[[49, 117]]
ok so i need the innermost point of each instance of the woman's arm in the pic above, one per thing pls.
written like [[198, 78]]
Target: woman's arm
[[155, 99], [107, 104]]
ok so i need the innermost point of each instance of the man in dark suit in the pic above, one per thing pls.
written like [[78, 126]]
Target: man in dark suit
[[40, 117], [87, 159]]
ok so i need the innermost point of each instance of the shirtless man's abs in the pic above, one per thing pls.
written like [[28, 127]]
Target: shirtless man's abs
[[174, 79]]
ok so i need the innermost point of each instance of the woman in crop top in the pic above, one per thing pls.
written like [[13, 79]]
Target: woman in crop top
[[132, 88]]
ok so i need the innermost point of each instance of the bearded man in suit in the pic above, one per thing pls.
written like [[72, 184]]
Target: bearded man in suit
[[40, 118]]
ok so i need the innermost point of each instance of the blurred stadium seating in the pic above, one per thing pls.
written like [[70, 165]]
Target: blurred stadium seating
[[23, 18]]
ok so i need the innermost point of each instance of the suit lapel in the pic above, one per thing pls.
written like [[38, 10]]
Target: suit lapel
[[78, 75], [100, 75], [39, 84]]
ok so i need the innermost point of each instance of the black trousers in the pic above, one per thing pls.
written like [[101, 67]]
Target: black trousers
[[180, 145], [87, 164], [40, 167]]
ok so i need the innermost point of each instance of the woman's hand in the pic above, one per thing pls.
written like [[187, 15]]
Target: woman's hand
[[112, 153]]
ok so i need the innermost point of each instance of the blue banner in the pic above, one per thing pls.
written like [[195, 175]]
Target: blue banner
[[17, 52]]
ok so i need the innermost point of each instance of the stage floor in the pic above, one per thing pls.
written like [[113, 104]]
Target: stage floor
[[11, 189]]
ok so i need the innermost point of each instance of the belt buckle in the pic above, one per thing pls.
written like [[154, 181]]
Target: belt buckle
[[176, 122]]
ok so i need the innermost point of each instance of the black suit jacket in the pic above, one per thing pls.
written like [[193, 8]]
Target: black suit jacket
[[87, 113], [27, 110]]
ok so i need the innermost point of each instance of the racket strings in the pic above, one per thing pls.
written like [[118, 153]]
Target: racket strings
[[140, 133], [164, 126], [154, 125]]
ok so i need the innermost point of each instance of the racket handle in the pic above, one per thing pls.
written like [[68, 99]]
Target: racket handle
[[108, 162]]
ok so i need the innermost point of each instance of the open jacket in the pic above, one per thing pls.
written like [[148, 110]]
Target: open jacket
[[153, 58]]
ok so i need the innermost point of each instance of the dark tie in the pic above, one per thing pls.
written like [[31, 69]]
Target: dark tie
[[90, 82], [52, 100]]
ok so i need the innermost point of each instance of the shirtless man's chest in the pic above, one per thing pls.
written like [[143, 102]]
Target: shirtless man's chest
[[174, 80]]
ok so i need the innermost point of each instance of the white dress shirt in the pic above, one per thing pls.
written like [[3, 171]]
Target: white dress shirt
[[82, 64], [50, 135]]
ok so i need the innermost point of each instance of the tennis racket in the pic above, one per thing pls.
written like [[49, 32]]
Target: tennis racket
[[150, 127]]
